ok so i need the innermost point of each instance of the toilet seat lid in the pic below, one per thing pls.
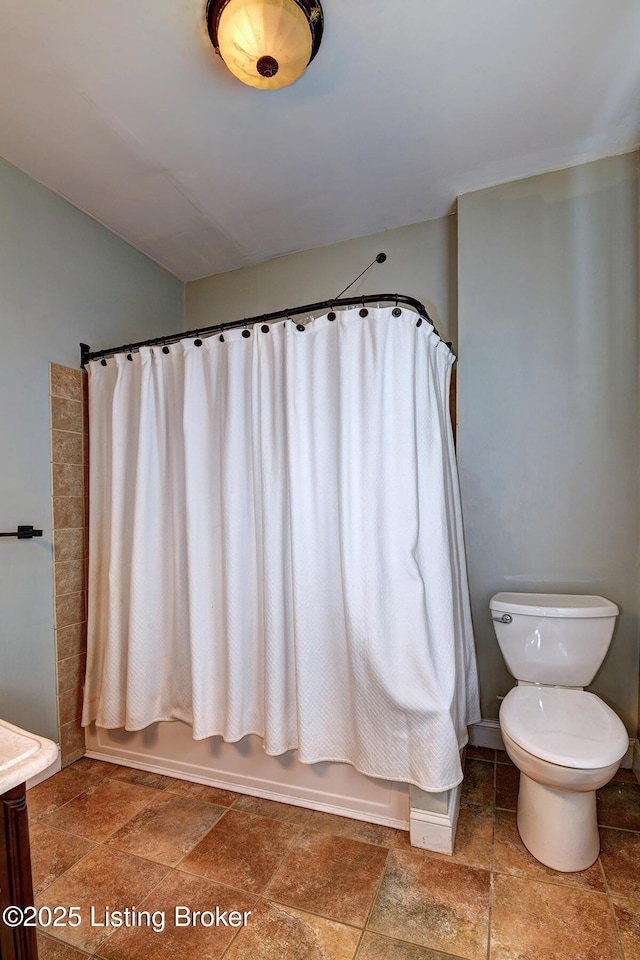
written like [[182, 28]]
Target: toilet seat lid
[[571, 728]]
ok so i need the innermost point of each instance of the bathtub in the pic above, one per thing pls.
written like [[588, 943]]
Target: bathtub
[[244, 767]]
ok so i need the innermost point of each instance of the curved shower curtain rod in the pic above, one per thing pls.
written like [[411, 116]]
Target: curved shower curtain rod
[[86, 354]]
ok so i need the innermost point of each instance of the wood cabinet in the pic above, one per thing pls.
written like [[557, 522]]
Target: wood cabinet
[[16, 886]]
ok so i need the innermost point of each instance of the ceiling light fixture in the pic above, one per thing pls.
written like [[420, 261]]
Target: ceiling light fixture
[[267, 44]]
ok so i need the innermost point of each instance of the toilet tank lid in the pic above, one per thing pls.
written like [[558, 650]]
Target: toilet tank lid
[[553, 605]]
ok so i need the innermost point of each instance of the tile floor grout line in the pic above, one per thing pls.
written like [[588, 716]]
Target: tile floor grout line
[[578, 887], [324, 916], [134, 783], [159, 863], [64, 872], [284, 856], [227, 886], [108, 836], [374, 899], [185, 795], [48, 813], [312, 913], [489, 917], [344, 836], [135, 905], [213, 828], [606, 826], [67, 833], [623, 953], [100, 844], [48, 936], [219, 820], [233, 938], [358, 945], [612, 908], [413, 943], [230, 887], [492, 860], [321, 916], [87, 790], [491, 875]]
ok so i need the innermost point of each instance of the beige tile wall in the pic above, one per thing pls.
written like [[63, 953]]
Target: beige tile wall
[[69, 484]]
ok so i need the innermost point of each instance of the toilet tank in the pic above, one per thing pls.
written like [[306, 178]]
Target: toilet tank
[[553, 638]]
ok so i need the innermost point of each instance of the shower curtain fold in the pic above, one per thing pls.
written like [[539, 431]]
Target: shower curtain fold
[[276, 545]]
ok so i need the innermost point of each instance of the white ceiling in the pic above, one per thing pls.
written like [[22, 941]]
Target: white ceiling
[[122, 107]]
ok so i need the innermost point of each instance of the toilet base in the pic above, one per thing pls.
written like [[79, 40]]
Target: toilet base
[[558, 827]]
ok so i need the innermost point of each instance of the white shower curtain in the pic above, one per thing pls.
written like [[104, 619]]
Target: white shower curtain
[[276, 545]]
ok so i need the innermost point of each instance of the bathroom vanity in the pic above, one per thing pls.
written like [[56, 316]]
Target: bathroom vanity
[[22, 756]]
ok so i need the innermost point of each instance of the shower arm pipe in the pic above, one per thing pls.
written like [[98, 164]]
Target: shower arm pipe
[[86, 354]]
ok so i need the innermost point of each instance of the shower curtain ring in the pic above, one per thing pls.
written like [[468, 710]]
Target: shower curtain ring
[[221, 337], [396, 312], [364, 312], [165, 348], [331, 315], [197, 342], [246, 333], [129, 357]]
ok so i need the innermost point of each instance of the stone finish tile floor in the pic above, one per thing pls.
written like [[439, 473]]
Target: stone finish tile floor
[[318, 887]]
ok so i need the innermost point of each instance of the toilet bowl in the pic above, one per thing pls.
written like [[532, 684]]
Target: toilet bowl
[[565, 741], [567, 744]]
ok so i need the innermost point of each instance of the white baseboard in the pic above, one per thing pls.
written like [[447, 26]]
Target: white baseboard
[[627, 760], [486, 733], [432, 830]]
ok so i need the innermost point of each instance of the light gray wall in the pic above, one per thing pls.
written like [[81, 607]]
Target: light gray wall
[[548, 402], [63, 279], [421, 263]]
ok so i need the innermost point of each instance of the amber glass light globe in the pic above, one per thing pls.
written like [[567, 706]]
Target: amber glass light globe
[[265, 43]]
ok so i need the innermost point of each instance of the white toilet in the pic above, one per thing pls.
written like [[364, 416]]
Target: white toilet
[[565, 741]]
